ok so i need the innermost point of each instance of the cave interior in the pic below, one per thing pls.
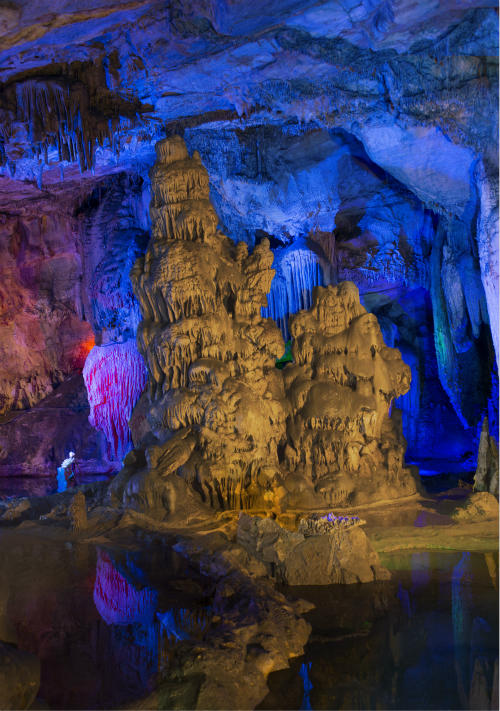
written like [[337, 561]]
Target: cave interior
[[231, 233]]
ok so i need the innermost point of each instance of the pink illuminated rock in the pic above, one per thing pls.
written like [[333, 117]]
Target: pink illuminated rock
[[115, 376], [117, 600]]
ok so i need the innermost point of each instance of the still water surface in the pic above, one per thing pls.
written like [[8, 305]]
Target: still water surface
[[106, 624], [427, 639]]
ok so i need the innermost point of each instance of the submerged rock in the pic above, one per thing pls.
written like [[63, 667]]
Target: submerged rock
[[19, 677], [340, 554]]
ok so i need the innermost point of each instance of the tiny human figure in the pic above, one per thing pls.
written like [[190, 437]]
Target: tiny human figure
[[66, 472]]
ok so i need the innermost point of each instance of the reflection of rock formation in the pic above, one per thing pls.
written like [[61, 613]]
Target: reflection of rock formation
[[117, 600], [19, 677], [474, 639], [341, 387], [210, 355]]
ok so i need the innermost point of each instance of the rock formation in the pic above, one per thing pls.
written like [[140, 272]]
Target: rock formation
[[479, 506], [78, 512], [216, 411], [486, 477], [377, 134], [215, 397], [43, 335], [312, 555], [115, 376], [342, 441]]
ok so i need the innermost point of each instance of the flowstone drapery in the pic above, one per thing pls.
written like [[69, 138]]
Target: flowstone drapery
[[217, 412]]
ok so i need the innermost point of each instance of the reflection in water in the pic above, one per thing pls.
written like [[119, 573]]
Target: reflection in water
[[181, 624], [424, 640], [304, 673], [15, 486], [106, 623], [473, 636], [117, 600], [461, 592], [92, 616]]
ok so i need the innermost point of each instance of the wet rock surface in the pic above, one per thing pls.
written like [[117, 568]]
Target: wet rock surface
[[486, 476], [343, 554]]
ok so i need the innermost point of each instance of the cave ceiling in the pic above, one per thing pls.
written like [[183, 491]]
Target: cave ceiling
[[402, 77]]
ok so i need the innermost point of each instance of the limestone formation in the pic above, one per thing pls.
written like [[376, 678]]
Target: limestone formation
[[217, 411], [215, 402], [341, 554], [479, 506], [342, 442], [78, 512], [486, 477]]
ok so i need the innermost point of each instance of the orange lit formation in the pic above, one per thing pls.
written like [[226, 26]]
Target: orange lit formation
[[218, 413]]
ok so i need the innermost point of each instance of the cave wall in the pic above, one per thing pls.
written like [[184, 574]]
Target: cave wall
[[65, 294], [44, 336], [360, 140]]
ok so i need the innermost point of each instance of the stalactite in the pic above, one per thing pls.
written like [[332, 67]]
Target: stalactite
[[115, 376], [72, 114], [298, 271]]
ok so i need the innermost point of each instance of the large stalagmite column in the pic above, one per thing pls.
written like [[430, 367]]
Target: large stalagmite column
[[210, 355], [216, 419]]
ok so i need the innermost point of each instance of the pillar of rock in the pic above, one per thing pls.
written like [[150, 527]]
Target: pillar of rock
[[342, 441], [209, 353], [218, 417]]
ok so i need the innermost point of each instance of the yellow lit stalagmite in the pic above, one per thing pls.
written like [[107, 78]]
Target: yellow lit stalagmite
[[218, 421]]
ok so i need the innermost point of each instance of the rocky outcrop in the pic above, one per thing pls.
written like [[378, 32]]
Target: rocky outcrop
[[216, 412], [312, 555], [342, 442], [486, 477], [44, 337], [479, 506], [35, 442], [210, 356]]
